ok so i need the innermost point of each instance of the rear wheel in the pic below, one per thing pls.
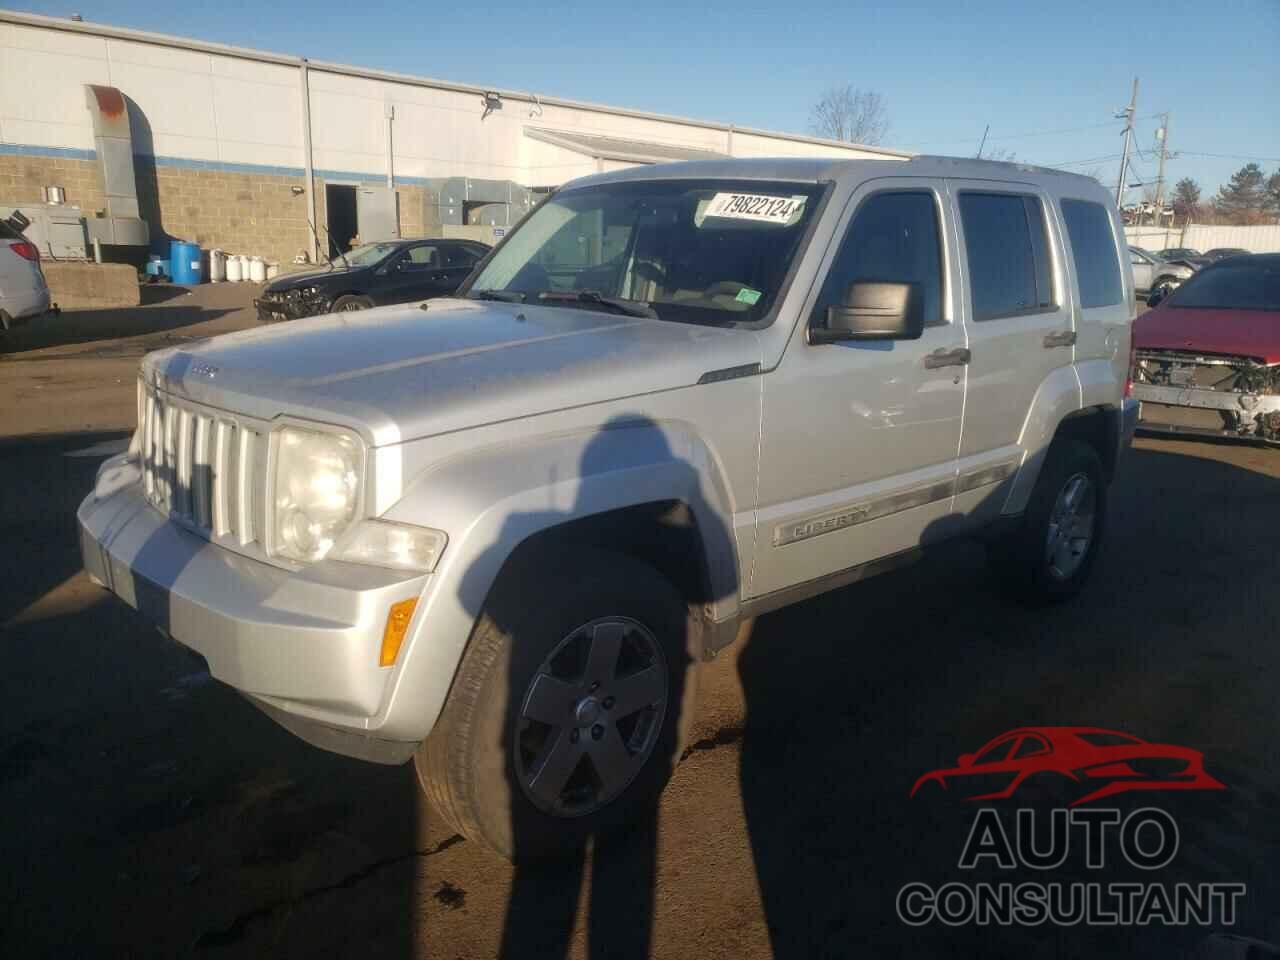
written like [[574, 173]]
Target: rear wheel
[[351, 301], [570, 708], [1050, 555]]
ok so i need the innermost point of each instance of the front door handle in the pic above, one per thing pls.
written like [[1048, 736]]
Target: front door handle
[[947, 358], [1063, 338]]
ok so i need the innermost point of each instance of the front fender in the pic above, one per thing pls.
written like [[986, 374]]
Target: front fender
[[491, 500]]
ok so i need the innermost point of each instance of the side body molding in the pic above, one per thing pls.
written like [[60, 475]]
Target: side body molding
[[491, 500]]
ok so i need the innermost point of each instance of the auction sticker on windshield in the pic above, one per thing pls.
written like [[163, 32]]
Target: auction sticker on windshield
[[755, 206]]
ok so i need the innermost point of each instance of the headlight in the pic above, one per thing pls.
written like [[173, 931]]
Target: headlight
[[315, 491], [396, 545]]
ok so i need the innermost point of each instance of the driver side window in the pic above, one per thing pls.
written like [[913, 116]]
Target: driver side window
[[894, 237]]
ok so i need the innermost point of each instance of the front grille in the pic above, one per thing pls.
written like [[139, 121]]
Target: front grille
[[203, 468]]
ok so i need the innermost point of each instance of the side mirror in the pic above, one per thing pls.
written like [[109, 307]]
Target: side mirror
[[965, 760], [874, 310], [1159, 294]]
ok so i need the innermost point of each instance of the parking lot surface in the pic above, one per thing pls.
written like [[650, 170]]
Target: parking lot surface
[[146, 810]]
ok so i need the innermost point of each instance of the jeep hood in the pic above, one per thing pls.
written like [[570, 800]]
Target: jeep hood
[[1240, 333], [401, 373]]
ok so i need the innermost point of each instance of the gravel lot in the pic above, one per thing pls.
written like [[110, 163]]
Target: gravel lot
[[149, 811]]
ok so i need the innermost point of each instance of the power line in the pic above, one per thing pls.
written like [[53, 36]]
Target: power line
[[1021, 136], [1226, 156], [1086, 160]]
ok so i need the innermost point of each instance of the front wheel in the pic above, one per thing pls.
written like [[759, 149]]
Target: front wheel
[[1049, 556], [570, 708], [351, 301]]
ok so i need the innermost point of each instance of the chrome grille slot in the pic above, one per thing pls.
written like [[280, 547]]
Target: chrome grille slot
[[201, 473], [204, 468], [246, 458]]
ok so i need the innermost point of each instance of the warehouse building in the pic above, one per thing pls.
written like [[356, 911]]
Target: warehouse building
[[151, 137]]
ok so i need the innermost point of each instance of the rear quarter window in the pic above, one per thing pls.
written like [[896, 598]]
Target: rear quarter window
[[1093, 247]]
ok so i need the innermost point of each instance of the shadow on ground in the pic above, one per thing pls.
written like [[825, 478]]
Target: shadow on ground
[[853, 696], [155, 320]]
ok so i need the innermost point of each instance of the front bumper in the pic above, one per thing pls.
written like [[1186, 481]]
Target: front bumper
[[1217, 413], [273, 311], [302, 645]]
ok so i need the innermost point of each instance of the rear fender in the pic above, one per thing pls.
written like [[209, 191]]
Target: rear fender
[[1057, 398], [490, 501]]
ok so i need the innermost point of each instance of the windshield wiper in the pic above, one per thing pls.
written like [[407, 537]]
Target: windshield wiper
[[632, 308], [503, 296]]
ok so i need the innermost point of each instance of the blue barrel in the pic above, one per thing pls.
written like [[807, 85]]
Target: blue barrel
[[184, 262], [157, 266]]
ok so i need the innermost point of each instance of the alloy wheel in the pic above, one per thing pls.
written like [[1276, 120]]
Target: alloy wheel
[[591, 716], [1071, 527]]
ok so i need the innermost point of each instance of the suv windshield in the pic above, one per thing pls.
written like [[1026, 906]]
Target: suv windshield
[[365, 255], [697, 251]]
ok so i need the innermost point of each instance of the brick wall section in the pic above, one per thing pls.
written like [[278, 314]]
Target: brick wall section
[[239, 213], [22, 177]]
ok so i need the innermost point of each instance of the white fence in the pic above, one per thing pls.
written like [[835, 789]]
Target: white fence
[[1262, 239]]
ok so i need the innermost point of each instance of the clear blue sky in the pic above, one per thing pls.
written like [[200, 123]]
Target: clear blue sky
[[946, 68]]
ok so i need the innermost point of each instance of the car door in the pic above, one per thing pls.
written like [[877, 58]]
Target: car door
[[458, 259], [1018, 319], [859, 438], [1143, 269], [416, 273]]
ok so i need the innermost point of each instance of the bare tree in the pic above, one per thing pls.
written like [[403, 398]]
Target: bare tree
[[850, 114]]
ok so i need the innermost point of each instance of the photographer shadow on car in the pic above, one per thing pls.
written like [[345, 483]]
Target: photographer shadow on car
[[574, 699]]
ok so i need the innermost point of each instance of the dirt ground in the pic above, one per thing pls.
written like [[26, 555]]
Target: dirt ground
[[146, 810]]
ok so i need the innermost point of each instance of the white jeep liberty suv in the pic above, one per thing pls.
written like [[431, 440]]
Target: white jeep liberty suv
[[497, 533]]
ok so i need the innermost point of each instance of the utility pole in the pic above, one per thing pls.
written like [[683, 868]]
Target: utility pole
[[1163, 136], [1126, 115]]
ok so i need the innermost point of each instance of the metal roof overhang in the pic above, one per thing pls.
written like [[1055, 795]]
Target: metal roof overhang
[[599, 147]]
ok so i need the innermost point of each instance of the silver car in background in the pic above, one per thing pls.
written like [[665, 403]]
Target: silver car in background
[[23, 291], [1150, 272]]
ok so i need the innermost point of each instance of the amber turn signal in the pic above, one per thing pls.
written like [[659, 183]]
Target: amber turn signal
[[397, 626]]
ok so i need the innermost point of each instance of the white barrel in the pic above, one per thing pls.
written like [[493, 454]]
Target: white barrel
[[257, 270], [217, 266], [244, 267], [234, 274], [273, 269]]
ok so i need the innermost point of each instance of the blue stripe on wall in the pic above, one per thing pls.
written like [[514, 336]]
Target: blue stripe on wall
[[24, 150]]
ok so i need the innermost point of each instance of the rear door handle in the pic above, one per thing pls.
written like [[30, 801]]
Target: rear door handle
[[947, 358], [1064, 338]]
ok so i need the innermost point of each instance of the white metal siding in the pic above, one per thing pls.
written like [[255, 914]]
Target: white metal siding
[[1259, 239], [207, 103]]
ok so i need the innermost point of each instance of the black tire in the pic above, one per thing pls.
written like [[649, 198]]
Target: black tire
[[351, 301], [1021, 558], [468, 766]]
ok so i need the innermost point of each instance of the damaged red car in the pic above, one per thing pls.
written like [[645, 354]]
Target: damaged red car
[[1207, 357]]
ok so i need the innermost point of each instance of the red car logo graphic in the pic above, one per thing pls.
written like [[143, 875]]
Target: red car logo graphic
[[1078, 757]]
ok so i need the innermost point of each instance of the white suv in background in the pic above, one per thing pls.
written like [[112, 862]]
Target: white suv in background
[[23, 292]]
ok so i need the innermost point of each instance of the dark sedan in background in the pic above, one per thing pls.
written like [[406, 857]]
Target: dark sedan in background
[[372, 275], [1221, 253]]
